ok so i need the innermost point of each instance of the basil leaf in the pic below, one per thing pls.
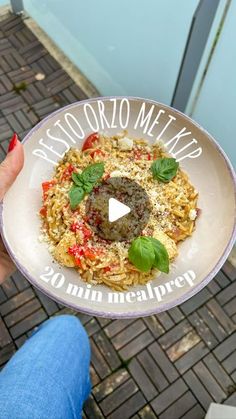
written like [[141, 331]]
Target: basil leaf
[[76, 195], [161, 260], [164, 169], [88, 187], [77, 178], [93, 172], [141, 254]]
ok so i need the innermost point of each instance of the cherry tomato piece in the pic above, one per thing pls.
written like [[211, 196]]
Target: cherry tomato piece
[[90, 141]]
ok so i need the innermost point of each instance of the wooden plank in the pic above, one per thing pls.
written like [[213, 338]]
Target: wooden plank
[[153, 370], [28, 323], [154, 326], [209, 382], [146, 413], [136, 345], [218, 372], [195, 302], [182, 405], [6, 353], [175, 334], [116, 326], [92, 409], [176, 314], [203, 330], [5, 337], [191, 357], [125, 411], [110, 383], [16, 301], [142, 379], [22, 312], [107, 350], [221, 316], [48, 304], [196, 412], [118, 397], [163, 362], [212, 323], [98, 361], [126, 335], [165, 320], [225, 348], [182, 346], [230, 363], [9, 288], [198, 389], [226, 294]]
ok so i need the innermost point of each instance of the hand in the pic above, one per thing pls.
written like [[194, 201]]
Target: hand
[[9, 169]]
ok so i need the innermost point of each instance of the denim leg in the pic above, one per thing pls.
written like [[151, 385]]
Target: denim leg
[[48, 378]]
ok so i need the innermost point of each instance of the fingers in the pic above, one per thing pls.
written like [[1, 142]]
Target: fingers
[[11, 166], [7, 267]]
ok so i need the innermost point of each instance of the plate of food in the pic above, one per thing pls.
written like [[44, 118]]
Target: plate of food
[[126, 207]]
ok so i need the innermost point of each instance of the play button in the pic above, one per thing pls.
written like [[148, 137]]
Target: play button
[[116, 210]]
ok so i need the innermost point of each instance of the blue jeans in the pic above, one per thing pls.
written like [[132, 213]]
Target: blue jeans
[[48, 378]]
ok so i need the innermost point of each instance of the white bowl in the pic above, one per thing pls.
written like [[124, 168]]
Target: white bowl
[[200, 256]]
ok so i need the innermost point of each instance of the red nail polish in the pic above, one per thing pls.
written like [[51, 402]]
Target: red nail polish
[[13, 142]]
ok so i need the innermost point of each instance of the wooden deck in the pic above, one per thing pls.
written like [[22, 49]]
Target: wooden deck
[[168, 366]]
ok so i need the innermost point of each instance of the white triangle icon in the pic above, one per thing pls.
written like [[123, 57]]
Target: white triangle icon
[[117, 210]]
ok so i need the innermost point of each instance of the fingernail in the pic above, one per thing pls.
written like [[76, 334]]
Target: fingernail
[[13, 142]]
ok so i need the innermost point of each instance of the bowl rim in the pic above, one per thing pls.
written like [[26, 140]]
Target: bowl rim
[[128, 314]]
